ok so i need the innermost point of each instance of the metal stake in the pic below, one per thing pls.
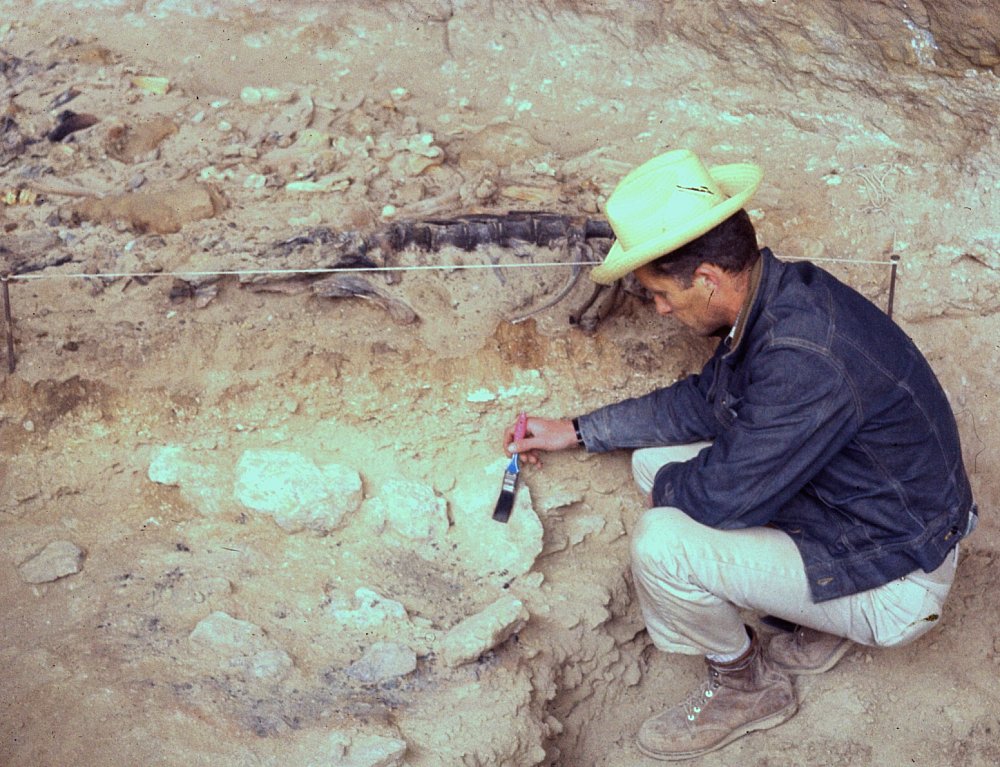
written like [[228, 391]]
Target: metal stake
[[5, 283], [892, 282]]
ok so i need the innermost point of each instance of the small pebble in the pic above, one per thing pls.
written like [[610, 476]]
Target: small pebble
[[55, 561], [382, 661]]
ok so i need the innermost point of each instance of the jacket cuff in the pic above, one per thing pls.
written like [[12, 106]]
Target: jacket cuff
[[583, 427]]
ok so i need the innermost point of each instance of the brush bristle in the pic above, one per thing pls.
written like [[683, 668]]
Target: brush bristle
[[505, 504]]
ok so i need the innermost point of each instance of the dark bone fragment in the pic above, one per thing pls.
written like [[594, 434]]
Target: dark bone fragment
[[508, 230], [348, 248], [64, 98], [349, 285], [579, 251], [70, 122], [12, 140], [511, 230], [605, 308], [16, 260], [582, 239], [202, 292]]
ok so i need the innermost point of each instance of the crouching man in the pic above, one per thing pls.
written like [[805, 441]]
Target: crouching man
[[811, 471]]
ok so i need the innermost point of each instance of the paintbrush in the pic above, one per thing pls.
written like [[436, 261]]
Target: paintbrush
[[505, 503]]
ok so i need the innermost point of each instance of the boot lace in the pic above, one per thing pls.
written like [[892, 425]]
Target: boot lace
[[695, 703]]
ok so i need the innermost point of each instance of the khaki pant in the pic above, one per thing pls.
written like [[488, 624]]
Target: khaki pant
[[692, 580]]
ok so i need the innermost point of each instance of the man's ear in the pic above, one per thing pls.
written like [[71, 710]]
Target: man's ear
[[710, 274]]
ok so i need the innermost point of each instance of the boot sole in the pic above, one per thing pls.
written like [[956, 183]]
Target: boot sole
[[765, 723]]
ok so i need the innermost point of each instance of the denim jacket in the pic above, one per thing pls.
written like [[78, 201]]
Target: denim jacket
[[826, 422]]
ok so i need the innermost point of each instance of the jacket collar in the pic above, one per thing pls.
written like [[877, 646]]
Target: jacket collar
[[750, 304]]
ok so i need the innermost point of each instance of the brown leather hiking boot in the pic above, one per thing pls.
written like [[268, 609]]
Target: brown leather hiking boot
[[737, 698], [807, 651]]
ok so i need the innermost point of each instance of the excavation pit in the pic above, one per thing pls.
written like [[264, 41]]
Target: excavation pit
[[246, 496]]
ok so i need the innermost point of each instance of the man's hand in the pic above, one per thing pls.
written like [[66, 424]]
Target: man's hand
[[542, 434]]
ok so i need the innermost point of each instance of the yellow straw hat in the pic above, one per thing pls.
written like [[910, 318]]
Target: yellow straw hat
[[667, 202]]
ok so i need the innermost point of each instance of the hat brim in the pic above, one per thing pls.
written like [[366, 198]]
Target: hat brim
[[739, 181]]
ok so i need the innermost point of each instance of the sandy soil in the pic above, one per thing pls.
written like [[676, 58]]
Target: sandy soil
[[260, 127]]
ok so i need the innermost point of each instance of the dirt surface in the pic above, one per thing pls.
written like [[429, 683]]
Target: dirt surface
[[164, 604]]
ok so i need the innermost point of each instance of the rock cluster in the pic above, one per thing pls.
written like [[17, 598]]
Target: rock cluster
[[285, 485], [327, 498], [300, 494]]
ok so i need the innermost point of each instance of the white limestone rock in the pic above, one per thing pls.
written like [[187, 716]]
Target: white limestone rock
[[266, 664], [57, 560], [202, 484], [221, 631], [368, 610], [241, 645], [347, 749], [497, 550], [558, 499], [375, 751], [412, 511], [483, 631], [579, 527], [295, 491], [253, 95]]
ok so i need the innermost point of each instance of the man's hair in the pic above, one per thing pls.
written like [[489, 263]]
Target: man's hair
[[731, 245]]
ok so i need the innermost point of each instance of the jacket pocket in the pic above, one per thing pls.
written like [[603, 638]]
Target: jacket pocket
[[727, 409]]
